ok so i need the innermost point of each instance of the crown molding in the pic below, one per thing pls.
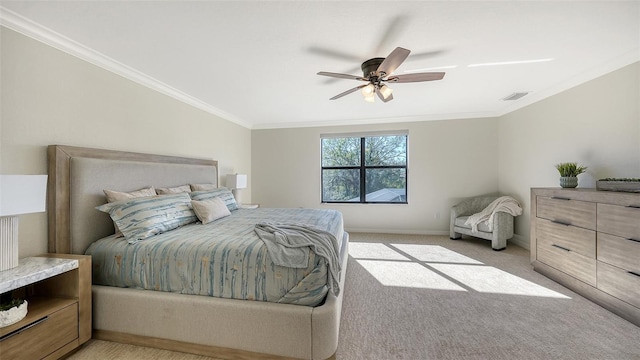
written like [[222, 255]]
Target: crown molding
[[29, 28]]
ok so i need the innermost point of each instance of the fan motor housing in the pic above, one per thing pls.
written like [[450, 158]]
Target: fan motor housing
[[371, 66]]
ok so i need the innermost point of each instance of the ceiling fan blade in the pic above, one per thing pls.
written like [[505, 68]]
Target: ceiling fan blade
[[391, 62], [342, 76], [429, 76], [395, 27], [389, 98], [333, 54], [348, 92], [426, 54]]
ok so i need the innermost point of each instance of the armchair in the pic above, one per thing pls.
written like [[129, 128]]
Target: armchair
[[502, 222]]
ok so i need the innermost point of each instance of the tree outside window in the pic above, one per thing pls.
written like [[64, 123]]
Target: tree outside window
[[367, 169]]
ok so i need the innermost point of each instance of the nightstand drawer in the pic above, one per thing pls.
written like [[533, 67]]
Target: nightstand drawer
[[620, 252], [567, 211], [619, 283], [582, 241], [569, 262], [619, 220], [43, 336]]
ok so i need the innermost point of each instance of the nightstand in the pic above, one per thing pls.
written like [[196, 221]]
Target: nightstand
[[58, 290], [248, 206]]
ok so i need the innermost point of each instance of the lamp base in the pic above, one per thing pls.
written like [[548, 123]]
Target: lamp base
[[8, 242]]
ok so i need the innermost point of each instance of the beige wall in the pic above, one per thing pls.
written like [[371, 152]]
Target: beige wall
[[448, 160], [596, 124], [50, 97]]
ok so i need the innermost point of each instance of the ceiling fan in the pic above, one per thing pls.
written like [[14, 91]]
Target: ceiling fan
[[378, 71]]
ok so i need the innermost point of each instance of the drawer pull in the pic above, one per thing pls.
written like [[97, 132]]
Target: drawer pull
[[560, 222], [636, 240], [24, 328], [634, 206], [634, 273], [560, 198], [561, 247]]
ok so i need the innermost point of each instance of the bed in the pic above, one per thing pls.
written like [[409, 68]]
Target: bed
[[230, 327]]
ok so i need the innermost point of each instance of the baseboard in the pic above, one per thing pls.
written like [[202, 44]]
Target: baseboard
[[520, 240]]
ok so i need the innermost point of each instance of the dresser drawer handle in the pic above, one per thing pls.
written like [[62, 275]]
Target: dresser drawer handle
[[634, 206], [631, 239], [561, 247], [24, 328], [634, 273], [560, 198], [561, 222]]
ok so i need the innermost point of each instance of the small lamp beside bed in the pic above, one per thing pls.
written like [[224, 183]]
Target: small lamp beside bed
[[19, 194], [236, 182]]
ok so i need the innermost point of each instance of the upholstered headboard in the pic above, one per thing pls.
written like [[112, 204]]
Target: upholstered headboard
[[78, 176]]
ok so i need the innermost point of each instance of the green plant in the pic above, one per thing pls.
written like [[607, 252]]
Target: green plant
[[11, 304], [570, 169]]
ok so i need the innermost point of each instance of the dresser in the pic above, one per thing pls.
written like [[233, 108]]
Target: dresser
[[57, 288], [589, 241]]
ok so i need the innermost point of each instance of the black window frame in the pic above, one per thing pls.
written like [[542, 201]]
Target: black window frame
[[363, 170]]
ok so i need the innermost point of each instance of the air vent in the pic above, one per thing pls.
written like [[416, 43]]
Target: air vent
[[515, 96]]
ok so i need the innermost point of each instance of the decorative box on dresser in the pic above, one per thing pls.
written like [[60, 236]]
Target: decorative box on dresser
[[57, 288], [589, 241]]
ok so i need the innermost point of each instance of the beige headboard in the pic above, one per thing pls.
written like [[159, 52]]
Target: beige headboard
[[78, 175]]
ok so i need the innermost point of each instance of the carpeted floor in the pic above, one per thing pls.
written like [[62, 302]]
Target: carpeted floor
[[428, 297]]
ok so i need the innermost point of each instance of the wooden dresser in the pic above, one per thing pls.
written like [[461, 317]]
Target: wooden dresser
[[589, 241]]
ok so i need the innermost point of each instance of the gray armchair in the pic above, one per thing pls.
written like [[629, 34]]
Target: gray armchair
[[502, 222]]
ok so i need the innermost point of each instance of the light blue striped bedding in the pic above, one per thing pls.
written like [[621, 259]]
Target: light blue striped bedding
[[224, 258]]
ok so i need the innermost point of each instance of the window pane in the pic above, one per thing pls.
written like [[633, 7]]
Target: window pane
[[341, 152], [341, 185], [385, 150], [386, 185]]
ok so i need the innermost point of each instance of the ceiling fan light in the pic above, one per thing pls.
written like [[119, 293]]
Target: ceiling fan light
[[368, 90], [385, 91], [370, 98]]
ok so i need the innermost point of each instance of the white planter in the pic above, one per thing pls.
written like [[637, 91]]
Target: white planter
[[13, 315]]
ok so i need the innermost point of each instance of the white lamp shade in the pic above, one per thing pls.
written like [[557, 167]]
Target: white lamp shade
[[236, 181], [22, 194]]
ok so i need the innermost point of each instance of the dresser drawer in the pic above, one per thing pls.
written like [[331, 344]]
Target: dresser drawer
[[619, 283], [620, 252], [571, 212], [582, 241], [570, 262], [46, 335], [619, 220]]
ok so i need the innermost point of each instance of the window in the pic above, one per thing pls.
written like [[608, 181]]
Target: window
[[366, 169]]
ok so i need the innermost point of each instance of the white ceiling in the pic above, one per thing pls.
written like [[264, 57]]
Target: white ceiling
[[255, 62]]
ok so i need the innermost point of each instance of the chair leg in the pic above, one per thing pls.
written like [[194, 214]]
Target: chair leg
[[498, 244], [455, 236]]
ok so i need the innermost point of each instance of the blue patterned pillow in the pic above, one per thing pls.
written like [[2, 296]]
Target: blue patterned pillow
[[143, 217], [223, 193]]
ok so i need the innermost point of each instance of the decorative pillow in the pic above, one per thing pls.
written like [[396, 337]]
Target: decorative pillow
[[174, 190], [113, 195], [223, 193], [210, 209], [203, 187], [143, 217]]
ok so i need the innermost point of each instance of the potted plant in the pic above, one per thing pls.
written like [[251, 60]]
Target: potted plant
[[569, 174], [12, 311]]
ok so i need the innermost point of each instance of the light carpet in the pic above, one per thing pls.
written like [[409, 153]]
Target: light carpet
[[428, 297]]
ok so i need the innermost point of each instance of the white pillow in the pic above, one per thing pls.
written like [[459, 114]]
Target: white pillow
[[210, 209], [174, 190]]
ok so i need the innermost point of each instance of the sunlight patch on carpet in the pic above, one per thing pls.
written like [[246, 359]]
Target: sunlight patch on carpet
[[488, 279], [435, 253], [375, 251], [407, 274]]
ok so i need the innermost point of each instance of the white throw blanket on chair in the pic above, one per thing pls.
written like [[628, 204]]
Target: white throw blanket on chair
[[502, 204]]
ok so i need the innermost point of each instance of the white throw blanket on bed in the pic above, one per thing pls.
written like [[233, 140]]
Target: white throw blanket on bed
[[502, 204], [289, 244]]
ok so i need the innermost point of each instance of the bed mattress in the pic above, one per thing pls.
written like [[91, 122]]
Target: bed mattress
[[224, 258]]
